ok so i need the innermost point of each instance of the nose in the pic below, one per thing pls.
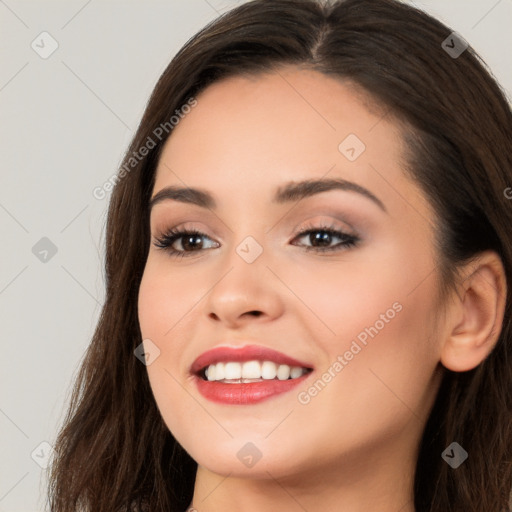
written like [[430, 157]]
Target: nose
[[246, 292]]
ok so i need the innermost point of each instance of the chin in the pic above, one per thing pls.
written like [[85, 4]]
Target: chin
[[246, 459]]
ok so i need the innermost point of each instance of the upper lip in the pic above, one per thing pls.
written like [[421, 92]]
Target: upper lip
[[241, 354]]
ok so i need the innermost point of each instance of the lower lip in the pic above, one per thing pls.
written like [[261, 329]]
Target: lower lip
[[248, 393]]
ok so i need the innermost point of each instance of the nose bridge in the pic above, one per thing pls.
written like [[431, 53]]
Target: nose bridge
[[249, 240], [245, 267], [245, 284]]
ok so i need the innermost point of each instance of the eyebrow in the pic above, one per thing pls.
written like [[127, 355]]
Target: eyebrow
[[293, 191]]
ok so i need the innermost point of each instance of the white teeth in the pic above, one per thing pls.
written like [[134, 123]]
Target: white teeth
[[295, 372], [251, 370], [232, 370], [259, 370], [219, 371], [268, 370], [283, 372]]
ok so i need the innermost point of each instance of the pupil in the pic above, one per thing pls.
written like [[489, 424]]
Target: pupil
[[189, 241], [323, 238]]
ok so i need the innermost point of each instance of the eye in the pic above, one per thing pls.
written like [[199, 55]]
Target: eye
[[185, 242], [189, 240], [321, 238]]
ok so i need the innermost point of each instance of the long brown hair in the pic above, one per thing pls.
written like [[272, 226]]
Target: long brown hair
[[114, 452]]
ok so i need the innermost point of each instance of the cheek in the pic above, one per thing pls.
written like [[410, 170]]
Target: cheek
[[380, 363], [162, 315], [164, 301], [370, 392], [375, 324], [340, 300], [386, 294], [162, 311]]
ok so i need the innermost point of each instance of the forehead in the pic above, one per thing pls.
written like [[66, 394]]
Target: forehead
[[251, 133], [290, 112]]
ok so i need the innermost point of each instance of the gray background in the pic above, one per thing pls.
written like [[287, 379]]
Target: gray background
[[65, 123]]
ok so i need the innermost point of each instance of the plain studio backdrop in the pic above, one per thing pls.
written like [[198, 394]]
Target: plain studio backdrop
[[74, 79]]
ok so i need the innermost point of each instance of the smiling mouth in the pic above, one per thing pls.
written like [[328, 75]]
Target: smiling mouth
[[233, 372], [247, 375]]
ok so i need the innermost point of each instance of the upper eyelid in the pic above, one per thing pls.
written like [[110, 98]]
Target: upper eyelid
[[327, 217], [322, 224], [327, 213]]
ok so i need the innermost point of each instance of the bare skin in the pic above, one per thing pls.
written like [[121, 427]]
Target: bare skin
[[352, 445]]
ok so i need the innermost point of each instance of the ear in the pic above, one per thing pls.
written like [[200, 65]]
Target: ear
[[476, 315]]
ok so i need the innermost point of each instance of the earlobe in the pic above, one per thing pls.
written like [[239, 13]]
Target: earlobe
[[476, 317]]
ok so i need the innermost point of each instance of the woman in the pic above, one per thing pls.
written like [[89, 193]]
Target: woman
[[308, 251]]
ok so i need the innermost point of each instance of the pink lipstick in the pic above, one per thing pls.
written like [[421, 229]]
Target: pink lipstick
[[246, 375]]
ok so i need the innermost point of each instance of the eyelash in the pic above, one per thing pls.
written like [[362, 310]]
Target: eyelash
[[166, 240]]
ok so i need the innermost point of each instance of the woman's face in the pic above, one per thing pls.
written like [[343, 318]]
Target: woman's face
[[352, 312]]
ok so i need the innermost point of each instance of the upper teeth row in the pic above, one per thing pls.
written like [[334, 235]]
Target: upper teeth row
[[253, 370]]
